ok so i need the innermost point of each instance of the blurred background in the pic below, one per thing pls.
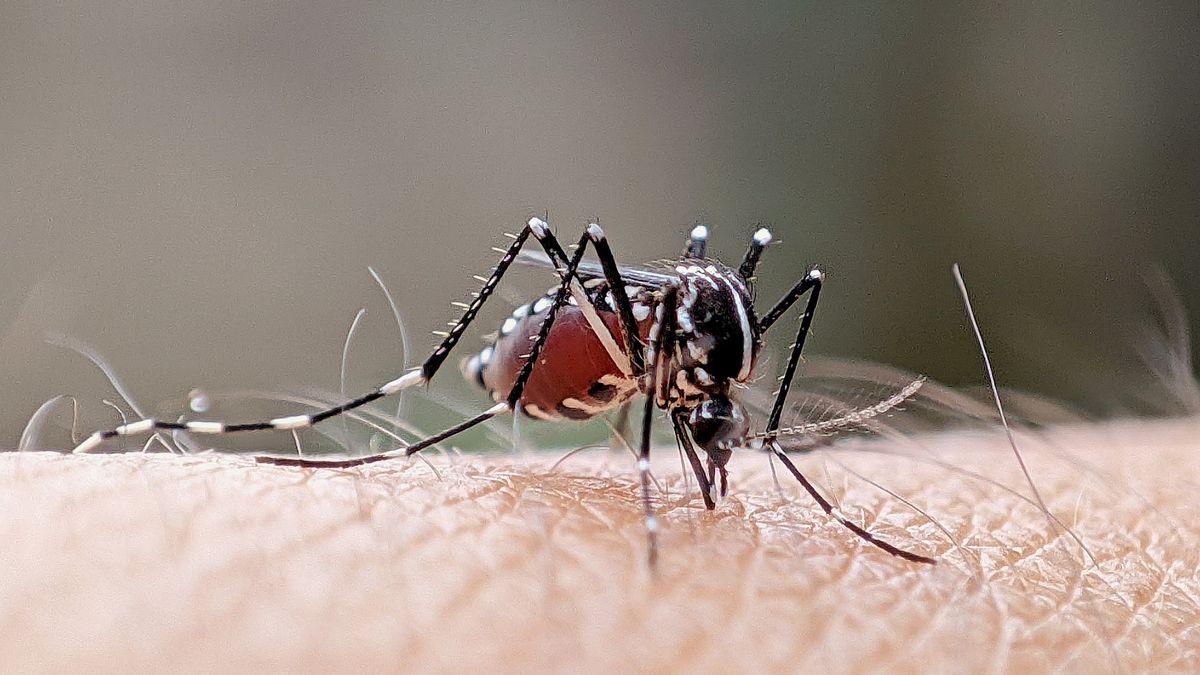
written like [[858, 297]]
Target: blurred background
[[197, 189]]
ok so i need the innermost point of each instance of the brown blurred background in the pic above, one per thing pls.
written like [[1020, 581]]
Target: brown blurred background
[[196, 189]]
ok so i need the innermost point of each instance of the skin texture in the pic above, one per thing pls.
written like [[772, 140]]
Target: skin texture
[[150, 562]]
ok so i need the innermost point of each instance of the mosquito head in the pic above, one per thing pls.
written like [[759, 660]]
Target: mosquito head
[[718, 425]]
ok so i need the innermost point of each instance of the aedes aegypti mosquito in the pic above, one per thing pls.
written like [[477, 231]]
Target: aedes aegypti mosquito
[[684, 336]]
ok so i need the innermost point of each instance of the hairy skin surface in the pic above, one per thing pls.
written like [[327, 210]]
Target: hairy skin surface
[[153, 562]]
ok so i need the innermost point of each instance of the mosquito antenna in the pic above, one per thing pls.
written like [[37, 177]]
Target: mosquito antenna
[[1012, 439], [758, 243], [854, 417]]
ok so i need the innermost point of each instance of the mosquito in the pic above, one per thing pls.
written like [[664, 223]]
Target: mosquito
[[685, 335]]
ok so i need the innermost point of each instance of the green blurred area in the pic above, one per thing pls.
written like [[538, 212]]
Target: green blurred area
[[197, 189]]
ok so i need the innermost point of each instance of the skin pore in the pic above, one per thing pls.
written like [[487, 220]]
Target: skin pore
[[152, 562]]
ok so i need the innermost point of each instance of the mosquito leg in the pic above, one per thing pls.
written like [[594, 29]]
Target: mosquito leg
[[679, 419], [620, 297], [828, 509], [661, 332], [410, 379], [543, 235], [616, 288], [810, 282], [697, 242], [758, 243]]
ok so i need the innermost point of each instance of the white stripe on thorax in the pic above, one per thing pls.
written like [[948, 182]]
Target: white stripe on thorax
[[744, 322]]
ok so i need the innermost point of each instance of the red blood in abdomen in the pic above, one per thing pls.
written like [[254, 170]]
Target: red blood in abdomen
[[570, 365]]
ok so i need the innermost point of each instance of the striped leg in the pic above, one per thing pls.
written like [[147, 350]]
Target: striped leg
[[811, 282], [633, 352], [657, 358], [535, 226], [543, 234], [620, 297]]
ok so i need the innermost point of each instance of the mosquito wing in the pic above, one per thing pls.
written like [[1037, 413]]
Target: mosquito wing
[[837, 397], [643, 276]]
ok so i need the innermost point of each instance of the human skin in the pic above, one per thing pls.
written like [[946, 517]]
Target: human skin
[[155, 562]]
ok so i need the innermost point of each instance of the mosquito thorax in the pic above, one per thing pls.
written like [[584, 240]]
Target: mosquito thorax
[[718, 339]]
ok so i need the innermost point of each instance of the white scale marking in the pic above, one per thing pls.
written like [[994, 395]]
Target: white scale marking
[[405, 381], [291, 422], [683, 318], [539, 227], [89, 443], [201, 427], [747, 339], [584, 406], [600, 330], [533, 410], [498, 409], [139, 427]]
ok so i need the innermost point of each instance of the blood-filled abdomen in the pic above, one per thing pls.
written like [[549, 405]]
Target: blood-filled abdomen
[[576, 376]]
